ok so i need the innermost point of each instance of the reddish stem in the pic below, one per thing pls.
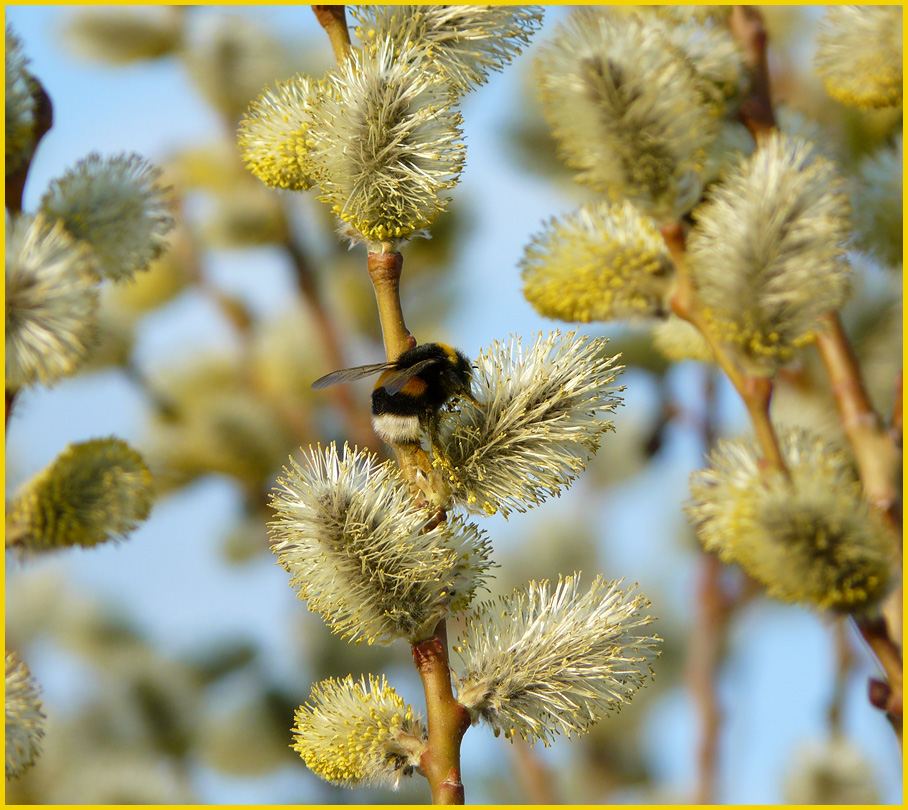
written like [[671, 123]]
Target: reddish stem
[[334, 20], [44, 120], [447, 719], [756, 113], [705, 654], [887, 697]]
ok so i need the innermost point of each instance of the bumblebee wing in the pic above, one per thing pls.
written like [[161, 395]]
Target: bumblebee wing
[[398, 379], [350, 374]]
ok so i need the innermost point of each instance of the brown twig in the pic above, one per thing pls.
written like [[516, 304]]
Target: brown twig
[[536, 780], [888, 696], [877, 457], [385, 271], [895, 428], [713, 609], [447, 719], [44, 120], [11, 395], [756, 113], [755, 392], [844, 659], [877, 454], [334, 20], [15, 182]]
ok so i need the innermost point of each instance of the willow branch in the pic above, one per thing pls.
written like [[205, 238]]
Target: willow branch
[[447, 719], [15, 182], [704, 655], [895, 429], [756, 113], [385, 270], [703, 665], [877, 457], [843, 663], [334, 20], [535, 779], [887, 697], [44, 120], [755, 392]]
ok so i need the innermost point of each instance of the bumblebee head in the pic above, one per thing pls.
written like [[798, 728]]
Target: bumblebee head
[[457, 372], [445, 372]]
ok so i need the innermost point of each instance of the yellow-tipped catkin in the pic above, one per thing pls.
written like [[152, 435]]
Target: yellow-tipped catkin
[[627, 109], [93, 492], [116, 205], [544, 412], [373, 563], [859, 55], [811, 538], [355, 734], [603, 262], [707, 45], [767, 251], [555, 659], [24, 717], [462, 42], [389, 143], [51, 302], [120, 36], [274, 138]]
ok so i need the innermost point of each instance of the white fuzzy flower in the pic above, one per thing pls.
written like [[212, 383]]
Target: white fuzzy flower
[[545, 660], [115, 205], [364, 555], [712, 52], [859, 55], [626, 109], [123, 35], [51, 302], [231, 59], [94, 491], [354, 734], [388, 142], [24, 717], [831, 771], [273, 137], [876, 195], [603, 262], [541, 418], [700, 14], [464, 43], [767, 251], [678, 340], [811, 537]]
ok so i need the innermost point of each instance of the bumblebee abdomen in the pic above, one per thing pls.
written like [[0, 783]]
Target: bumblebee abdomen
[[403, 403], [396, 417], [433, 374]]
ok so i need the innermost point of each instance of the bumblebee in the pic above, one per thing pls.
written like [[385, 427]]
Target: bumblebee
[[412, 389]]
